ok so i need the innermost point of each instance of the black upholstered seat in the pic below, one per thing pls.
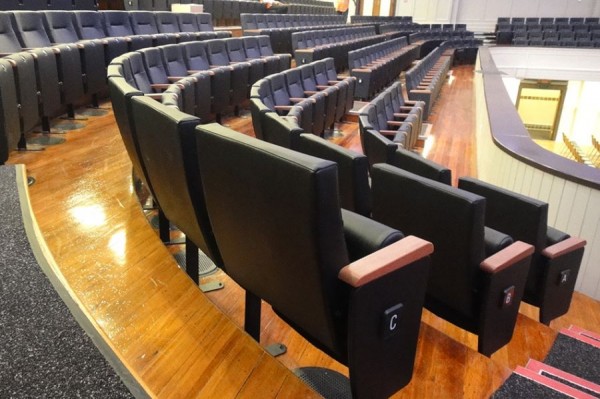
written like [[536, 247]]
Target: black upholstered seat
[[555, 263], [10, 132], [297, 259], [217, 55], [477, 280], [168, 139]]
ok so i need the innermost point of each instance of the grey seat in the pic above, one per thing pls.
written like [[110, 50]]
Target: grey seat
[[90, 26], [10, 132]]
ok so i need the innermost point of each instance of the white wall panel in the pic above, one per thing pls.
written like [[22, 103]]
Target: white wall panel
[[573, 208]]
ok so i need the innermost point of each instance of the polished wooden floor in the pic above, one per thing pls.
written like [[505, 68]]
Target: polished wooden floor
[[171, 336]]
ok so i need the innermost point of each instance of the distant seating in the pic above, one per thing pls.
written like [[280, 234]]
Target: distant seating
[[549, 32], [308, 96], [424, 81], [478, 275], [316, 45], [555, 263], [279, 27], [299, 266], [377, 65], [391, 116]]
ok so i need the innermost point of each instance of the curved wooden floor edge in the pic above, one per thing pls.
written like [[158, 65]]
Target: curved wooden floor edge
[[52, 271]]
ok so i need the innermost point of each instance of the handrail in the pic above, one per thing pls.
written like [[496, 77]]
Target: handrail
[[509, 133]]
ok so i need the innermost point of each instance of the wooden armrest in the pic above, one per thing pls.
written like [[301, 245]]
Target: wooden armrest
[[401, 115], [323, 87], [396, 123], [421, 91], [507, 257], [563, 247], [386, 260], [310, 93], [175, 78], [160, 85], [388, 132], [283, 107], [333, 82], [361, 70], [155, 96], [192, 71], [410, 102], [297, 99]]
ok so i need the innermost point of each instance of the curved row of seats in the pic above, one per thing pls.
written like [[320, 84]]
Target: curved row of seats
[[391, 116], [424, 81], [33, 5], [279, 27], [56, 60], [312, 97], [201, 78], [377, 65], [467, 305], [225, 187], [559, 28], [361, 19], [316, 45]]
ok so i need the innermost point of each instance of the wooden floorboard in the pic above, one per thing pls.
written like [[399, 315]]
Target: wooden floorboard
[[169, 333]]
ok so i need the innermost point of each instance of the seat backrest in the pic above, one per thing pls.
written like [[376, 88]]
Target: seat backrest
[[308, 77], [89, 5], [166, 22], [320, 71], [291, 208], [9, 5], [10, 131], [169, 139], [174, 60], [251, 47], [117, 23], [61, 5], [204, 21], [265, 45], [293, 80], [282, 131], [187, 22], [34, 4], [353, 171], [120, 95], [504, 207], [155, 68], [60, 26], [235, 49], [217, 52], [279, 89], [452, 219], [195, 54], [415, 163], [138, 72], [30, 29], [376, 147], [143, 22], [9, 41], [27, 90], [90, 25]]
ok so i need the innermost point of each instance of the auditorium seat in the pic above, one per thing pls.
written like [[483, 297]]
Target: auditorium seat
[[34, 4], [117, 24], [237, 54], [167, 23], [353, 171], [557, 256], [218, 56], [89, 5], [175, 65], [46, 76], [282, 131], [271, 63], [478, 274], [90, 26], [197, 60], [331, 94], [10, 5], [283, 102], [10, 131], [60, 26], [66, 5], [9, 40], [168, 139], [144, 23], [31, 33], [293, 81], [298, 261]]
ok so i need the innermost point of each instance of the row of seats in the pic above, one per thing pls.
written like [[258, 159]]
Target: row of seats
[[557, 20], [556, 35], [33, 5], [225, 187], [391, 116], [466, 301], [424, 81], [312, 97], [198, 194], [581, 42], [316, 45], [279, 27], [205, 78], [506, 32], [361, 19], [377, 65]]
